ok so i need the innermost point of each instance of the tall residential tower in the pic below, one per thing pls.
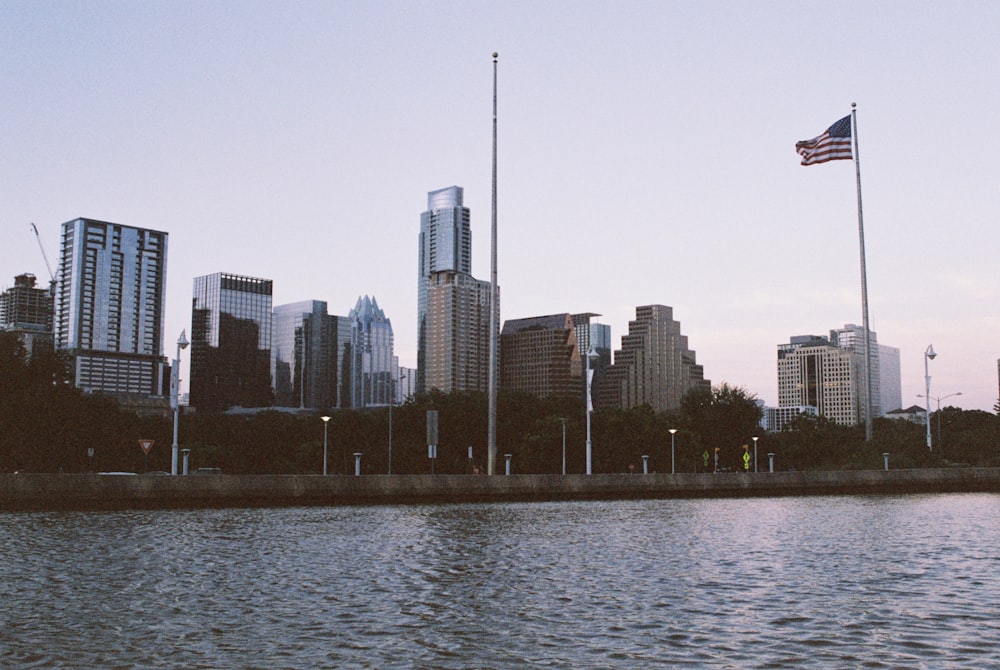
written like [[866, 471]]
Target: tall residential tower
[[453, 308], [109, 307], [445, 246]]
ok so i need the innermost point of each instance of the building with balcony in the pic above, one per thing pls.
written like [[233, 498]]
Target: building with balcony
[[109, 307]]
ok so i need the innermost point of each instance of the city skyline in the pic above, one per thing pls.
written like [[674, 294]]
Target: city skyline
[[659, 170]]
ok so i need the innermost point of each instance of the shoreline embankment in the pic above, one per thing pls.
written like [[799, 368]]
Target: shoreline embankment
[[23, 492]]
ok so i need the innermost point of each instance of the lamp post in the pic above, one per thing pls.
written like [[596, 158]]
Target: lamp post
[[326, 423], [938, 400], [564, 445], [175, 383], [392, 401], [755, 438], [591, 356], [928, 356], [672, 431]]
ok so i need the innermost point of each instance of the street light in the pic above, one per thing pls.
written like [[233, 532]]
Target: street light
[[326, 422], [755, 438], [939, 411], [928, 356], [564, 445], [175, 383], [672, 431], [392, 401], [592, 355]]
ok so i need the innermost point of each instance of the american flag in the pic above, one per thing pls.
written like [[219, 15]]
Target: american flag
[[833, 145]]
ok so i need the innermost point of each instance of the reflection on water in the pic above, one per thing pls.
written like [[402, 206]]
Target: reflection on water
[[908, 581]]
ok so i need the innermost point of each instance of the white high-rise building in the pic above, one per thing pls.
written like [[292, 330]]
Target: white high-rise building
[[852, 337], [110, 306], [813, 372], [829, 374]]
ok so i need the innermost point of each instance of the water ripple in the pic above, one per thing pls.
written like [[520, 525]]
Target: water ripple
[[853, 582]]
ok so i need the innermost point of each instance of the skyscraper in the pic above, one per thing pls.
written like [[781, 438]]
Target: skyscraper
[[230, 342], [829, 374], [539, 355], [596, 336], [373, 366], [307, 355], [109, 306], [814, 372], [853, 337], [654, 367], [890, 379], [445, 245], [457, 333], [27, 311]]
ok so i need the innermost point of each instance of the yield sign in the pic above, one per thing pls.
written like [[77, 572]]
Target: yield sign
[[146, 445]]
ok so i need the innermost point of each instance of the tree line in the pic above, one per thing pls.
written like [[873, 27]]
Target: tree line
[[47, 425]]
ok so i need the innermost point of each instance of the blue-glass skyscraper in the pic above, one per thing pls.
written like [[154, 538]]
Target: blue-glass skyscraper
[[310, 366], [373, 366]]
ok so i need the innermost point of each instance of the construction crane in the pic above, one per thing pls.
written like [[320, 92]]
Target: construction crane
[[52, 277]]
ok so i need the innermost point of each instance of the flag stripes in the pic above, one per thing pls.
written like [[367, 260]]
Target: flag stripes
[[832, 145]]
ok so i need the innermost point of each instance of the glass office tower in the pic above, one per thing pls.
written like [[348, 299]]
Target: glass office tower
[[309, 350], [373, 364], [230, 342]]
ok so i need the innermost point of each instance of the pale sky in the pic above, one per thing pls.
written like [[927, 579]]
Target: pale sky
[[646, 156]]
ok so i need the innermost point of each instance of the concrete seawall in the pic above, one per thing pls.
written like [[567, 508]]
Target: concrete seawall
[[91, 491]]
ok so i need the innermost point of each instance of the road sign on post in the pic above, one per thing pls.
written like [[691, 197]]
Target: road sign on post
[[432, 436], [146, 446]]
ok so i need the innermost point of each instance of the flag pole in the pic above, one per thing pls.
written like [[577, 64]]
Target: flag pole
[[494, 300], [864, 279]]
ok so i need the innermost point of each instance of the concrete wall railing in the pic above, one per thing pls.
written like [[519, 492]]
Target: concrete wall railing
[[95, 491]]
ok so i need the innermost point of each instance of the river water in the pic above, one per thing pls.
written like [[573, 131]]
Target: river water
[[813, 582]]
